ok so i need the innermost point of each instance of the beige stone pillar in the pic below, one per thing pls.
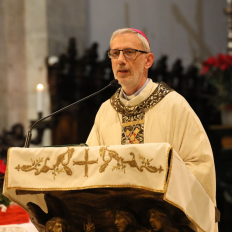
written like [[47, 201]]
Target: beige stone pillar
[[23, 49], [13, 87], [3, 79], [30, 31], [36, 40]]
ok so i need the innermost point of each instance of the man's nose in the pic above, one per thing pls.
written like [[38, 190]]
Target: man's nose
[[121, 58]]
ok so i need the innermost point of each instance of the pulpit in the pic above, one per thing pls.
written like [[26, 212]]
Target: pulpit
[[146, 187]]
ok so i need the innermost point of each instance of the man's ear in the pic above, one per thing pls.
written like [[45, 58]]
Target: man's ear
[[150, 59]]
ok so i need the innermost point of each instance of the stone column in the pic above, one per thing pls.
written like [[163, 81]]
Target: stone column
[[23, 49], [36, 40], [13, 87], [30, 31], [3, 80]]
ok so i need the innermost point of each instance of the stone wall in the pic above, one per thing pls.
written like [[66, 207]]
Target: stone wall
[[66, 19]]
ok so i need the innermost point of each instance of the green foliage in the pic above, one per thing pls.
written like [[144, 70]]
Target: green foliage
[[3, 200]]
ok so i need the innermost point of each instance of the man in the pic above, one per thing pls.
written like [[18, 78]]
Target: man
[[146, 112], [57, 224], [125, 222], [159, 221]]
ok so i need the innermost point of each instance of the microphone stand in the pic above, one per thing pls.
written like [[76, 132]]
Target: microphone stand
[[29, 133]]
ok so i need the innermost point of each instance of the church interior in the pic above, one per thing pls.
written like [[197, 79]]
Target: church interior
[[54, 53]]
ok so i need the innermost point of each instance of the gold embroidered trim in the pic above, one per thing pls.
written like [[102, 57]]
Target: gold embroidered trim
[[6, 174], [79, 188], [133, 123], [158, 94], [177, 206], [173, 203], [55, 168], [90, 187], [121, 165], [86, 162], [133, 133]]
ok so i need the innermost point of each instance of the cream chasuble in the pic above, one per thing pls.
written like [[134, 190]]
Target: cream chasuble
[[157, 115]]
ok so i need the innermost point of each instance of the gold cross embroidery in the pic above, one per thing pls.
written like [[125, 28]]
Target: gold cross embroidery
[[18, 167], [132, 136], [86, 162]]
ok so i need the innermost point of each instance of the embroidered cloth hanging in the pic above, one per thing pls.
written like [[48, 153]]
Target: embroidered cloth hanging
[[153, 167]]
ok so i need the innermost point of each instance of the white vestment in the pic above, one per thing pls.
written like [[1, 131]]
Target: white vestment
[[171, 120]]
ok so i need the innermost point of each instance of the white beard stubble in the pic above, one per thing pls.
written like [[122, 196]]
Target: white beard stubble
[[134, 78]]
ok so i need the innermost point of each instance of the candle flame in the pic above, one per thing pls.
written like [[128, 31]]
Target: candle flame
[[40, 87]]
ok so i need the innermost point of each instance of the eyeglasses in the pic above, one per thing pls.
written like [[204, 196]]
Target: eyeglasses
[[128, 53]]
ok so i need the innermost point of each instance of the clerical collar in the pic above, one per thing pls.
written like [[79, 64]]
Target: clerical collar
[[129, 97]]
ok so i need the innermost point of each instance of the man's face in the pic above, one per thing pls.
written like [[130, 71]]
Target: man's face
[[130, 73], [155, 222], [120, 223]]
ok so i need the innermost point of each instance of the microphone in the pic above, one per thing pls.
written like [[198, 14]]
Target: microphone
[[113, 83]]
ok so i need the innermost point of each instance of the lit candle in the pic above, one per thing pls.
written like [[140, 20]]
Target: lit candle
[[40, 89]]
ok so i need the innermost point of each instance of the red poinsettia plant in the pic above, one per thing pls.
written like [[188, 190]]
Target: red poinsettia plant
[[218, 72], [2, 171], [3, 199]]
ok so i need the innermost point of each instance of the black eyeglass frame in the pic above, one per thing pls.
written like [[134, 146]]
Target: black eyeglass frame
[[136, 50]]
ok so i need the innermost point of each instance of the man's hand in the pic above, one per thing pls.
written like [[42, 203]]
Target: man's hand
[[89, 226]]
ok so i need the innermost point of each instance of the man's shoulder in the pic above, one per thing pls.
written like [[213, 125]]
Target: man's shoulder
[[105, 106], [176, 100], [105, 103], [175, 97], [177, 104], [169, 94]]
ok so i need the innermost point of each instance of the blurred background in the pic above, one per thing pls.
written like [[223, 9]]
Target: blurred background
[[62, 45]]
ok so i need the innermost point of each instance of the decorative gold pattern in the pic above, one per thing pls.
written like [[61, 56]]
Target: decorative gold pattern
[[40, 189], [134, 129], [158, 94], [86, 162], [36, 165], [133, 123], [132, 136], [121, 165]]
